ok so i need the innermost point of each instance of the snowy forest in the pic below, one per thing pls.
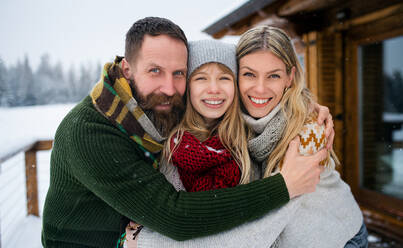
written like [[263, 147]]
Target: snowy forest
[[20, 85]]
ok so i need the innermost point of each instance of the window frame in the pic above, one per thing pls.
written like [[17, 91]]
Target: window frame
[[384, 213]]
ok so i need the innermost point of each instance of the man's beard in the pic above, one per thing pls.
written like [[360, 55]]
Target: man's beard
[[164, 121]]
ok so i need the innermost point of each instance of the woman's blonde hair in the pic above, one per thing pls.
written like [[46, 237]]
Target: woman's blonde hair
[[229, 128], [297, 100]]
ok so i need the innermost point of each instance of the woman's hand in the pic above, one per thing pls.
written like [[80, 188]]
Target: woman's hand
[[301, 173], [325, 116]]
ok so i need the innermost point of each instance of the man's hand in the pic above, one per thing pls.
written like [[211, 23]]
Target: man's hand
[[325, 116], [132, 232], [301, 173]]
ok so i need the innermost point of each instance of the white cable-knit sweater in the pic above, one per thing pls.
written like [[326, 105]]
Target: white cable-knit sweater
[[328, 217]]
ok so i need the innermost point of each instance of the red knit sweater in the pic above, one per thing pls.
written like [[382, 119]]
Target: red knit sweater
[[204, 165]]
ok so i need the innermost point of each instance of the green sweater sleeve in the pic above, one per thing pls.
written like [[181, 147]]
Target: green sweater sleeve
[[111, 166]]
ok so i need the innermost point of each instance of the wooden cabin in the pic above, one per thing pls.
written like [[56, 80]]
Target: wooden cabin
[[352, 51]]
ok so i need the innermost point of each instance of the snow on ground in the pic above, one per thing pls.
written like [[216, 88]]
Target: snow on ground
[[18, 128]]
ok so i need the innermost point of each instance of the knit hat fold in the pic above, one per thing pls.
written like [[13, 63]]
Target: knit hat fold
[[207, 51]]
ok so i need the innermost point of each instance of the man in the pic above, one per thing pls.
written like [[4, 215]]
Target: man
[[104, 160]]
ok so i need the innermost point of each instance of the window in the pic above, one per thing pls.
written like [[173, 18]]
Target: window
[[380, 116]]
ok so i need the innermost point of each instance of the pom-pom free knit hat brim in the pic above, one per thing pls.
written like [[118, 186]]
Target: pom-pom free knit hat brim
[[208, 51]]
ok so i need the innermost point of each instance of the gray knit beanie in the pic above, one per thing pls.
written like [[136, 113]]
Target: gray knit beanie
[[206, 51]]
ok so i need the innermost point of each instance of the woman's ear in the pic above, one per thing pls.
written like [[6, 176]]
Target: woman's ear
[[291, 77], [126, 69]]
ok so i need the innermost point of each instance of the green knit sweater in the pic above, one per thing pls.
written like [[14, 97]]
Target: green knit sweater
[[98, 174]]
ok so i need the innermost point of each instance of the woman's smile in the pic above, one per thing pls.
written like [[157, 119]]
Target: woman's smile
[[260, 102]]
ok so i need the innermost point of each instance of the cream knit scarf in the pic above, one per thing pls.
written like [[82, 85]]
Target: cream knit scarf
[[268, 131]]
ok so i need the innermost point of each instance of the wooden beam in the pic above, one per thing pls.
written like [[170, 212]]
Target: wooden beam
[[378, 14], [386, 225], [306, 58], [293, 7], [351, 170], [43, 145], [261, 17], [371, 17], [312, 63], [271, 20], [31, 174], [31, 182]]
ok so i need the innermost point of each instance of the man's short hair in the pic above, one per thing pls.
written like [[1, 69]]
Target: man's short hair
[[152, 26]]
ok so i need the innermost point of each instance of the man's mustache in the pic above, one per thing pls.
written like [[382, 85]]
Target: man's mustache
[[153, 100]]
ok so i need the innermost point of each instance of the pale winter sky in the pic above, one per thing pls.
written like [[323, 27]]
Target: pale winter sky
[[81, 31]]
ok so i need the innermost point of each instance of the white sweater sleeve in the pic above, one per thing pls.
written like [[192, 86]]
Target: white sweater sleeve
[[259, 233]]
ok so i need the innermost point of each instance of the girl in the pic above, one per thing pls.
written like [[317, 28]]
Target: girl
[[277, 108], [209, 146]]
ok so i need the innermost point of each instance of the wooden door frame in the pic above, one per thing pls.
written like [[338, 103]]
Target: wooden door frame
[[382, 213]]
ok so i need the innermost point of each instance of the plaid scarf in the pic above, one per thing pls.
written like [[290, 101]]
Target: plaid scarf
[[113, 97]]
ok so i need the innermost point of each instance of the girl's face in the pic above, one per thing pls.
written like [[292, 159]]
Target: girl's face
[[262, 81], [211, 91]]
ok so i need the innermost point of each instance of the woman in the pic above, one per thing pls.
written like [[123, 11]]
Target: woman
[[277, 108]]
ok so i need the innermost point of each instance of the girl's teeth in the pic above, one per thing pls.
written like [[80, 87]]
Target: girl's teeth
[[213, 102], [259, 101]]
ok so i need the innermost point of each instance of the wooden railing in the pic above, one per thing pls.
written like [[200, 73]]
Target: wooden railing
[[31, 171]]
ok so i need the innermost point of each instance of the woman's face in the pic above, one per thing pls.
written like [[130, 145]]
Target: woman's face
[[211, 91], [262, 81]]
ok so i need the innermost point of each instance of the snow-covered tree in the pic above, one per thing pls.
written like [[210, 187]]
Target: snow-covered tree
[[19, 85], [3, 85]]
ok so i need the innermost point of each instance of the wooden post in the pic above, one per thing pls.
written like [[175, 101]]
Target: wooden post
[[312, 64], [31, 182]]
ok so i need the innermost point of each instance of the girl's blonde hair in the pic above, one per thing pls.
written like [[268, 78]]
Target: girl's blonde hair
[[229, 128], [297, 100]]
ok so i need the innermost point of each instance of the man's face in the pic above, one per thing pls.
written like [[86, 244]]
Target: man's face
[[158, 76]]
